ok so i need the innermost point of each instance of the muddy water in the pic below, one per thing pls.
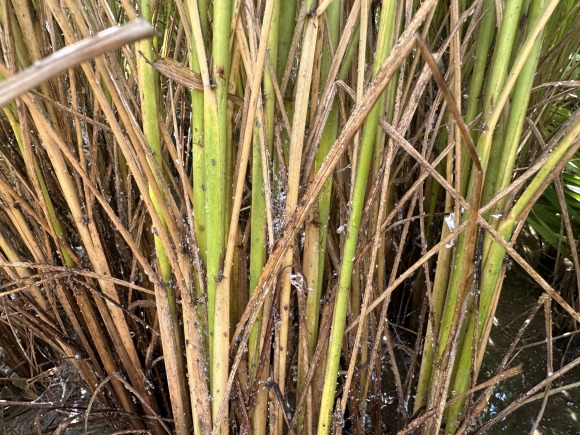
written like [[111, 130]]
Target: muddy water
[[562, 413]]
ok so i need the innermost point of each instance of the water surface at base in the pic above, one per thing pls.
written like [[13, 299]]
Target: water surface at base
[[562, 413]]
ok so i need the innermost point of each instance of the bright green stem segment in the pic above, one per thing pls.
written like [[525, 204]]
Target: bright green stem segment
[[198, 169], [385, 38], [148, 93], [150, 111], [287, 10], [198, 173], [484, 36], [215, 128]]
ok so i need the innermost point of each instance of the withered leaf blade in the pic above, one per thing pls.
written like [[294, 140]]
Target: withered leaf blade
[[70, 56], [178, 73], [184, 76]]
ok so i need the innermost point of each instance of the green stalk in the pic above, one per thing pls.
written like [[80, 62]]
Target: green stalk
[[518, 109], [199, 197], [258, 240], [148, 93], [258, 243], [380, 210], [440, 282], [286, 31], [215, 129], [486, 31], [500, 62], [214, 191], [384, 42], [150, 112], [198, 169]]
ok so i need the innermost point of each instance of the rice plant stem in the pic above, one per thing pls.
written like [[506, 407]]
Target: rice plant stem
[[215, 161], [363, 165], [197, 14], [261, 149], [150, 112], [303, 82], [486, 30], [197, 139], [317, 227]]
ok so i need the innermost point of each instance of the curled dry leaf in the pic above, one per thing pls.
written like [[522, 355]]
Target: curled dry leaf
[[180, 74]]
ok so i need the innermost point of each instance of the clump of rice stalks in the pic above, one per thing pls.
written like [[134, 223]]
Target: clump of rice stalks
[[203, 222]]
